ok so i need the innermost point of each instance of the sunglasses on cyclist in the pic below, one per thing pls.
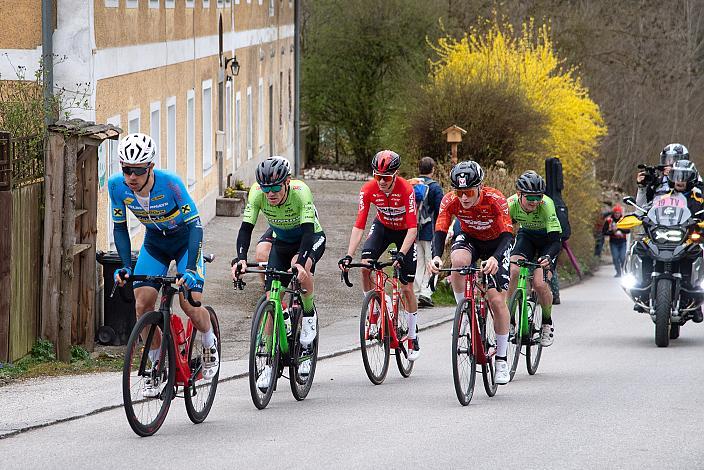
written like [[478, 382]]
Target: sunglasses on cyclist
[[272, 189], [383, 177], [135, 170], [534, 197], [471, 192]]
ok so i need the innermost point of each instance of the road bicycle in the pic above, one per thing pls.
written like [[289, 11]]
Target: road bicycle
[[179, 364], [526, 320], [274, 340], [473, 335], [382, 327]]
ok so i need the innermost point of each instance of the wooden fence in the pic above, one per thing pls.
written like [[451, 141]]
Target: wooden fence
[[21, 240]]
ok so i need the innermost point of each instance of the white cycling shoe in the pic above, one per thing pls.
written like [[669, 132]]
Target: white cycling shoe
[[309, 330], [502, 376], [264, 379], [304, 368], [547, 335]]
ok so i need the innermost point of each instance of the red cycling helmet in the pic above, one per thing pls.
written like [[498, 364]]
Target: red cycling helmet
[[386, 162]]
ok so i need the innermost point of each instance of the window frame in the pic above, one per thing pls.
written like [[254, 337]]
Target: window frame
[[171, 163], [191, 138], [155, 107], [207, 119]]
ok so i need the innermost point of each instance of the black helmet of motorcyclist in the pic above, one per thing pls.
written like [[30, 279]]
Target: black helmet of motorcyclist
[[672, 153], [683, 176]]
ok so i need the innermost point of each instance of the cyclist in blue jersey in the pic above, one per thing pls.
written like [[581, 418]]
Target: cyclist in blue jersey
[[160, 201]]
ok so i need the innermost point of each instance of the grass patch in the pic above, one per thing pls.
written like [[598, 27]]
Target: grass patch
[[41, 362], [443, 294]]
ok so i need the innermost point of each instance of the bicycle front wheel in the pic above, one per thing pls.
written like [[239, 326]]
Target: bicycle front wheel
[[200, 393], [148, 387], [263, 356], [534, 349], [515, 340], [375, 348], [301, 384], [405, 367], [464, 362], [489, 342]]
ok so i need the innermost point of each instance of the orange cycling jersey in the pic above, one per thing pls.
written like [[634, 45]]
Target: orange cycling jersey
[[486, 220], [396, 210]]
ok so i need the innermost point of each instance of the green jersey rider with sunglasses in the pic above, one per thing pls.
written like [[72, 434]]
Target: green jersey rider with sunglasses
[[538, 237], [298, 238]]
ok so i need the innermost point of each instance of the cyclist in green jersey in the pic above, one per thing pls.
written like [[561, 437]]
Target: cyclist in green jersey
[[298, 240], [538, 237]]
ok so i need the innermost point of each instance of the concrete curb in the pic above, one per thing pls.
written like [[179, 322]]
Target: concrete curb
[[227, 378]]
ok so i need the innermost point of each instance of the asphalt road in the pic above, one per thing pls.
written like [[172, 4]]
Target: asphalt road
[[604, 397]]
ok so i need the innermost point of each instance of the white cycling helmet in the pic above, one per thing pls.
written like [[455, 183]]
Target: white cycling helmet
[[136, 148]]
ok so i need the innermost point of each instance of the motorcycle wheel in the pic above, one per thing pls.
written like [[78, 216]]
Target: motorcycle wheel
[[663, 303], [674, 331]]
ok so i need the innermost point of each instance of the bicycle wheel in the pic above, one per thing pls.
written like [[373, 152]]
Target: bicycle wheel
[[489, 342], [375, 349], [301, 384], [464, 362], [534, 349], [513, 352], [148, 388], [263, 354], [199, 395], [405, 367]]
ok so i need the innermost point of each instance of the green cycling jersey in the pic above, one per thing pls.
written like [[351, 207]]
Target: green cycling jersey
[[286, 218], [541, 221]]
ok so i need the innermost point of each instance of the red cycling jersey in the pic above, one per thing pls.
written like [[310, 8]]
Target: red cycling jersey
[[486, 220], [396, 210]]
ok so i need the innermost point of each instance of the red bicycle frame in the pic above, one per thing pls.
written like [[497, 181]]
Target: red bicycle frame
[[474, 292], [181, 339], [380, 280]]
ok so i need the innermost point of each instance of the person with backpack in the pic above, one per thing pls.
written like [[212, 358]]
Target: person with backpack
[[429, 194]]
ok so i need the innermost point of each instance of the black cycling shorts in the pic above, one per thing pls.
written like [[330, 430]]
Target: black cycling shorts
[[267, 236], [532, 246], [379, 239], [484, 249], [282, 253]]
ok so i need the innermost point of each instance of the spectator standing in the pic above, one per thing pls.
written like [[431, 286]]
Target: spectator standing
[[617, 239]]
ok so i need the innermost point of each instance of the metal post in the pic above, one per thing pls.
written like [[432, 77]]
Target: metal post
[[297, 87]]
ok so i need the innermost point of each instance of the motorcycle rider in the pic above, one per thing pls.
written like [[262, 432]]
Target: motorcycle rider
[[682, 178], [648, 187]]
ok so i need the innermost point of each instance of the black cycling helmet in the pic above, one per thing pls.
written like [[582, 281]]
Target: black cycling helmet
[[672, 153], [467, 174], [683, 171], [530, 182], [272, 171], [386, 162]]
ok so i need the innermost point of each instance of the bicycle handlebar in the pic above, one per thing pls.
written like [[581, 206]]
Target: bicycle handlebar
[[463, 270], [163, 280], [240, 284], [373, 265]]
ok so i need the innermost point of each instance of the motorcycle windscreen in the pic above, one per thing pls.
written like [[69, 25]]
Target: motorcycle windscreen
[[669, 210]]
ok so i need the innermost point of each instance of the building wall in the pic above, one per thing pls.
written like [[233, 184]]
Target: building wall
[[20, 38]]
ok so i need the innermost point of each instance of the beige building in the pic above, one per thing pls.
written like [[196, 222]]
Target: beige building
[[158, 67]]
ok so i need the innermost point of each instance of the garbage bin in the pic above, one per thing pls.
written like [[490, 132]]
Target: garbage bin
[[119, 312]]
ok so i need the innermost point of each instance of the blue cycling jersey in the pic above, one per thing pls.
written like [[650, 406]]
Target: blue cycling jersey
[[170, 206]]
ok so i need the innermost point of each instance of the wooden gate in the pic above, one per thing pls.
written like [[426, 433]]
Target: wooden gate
[[21, 240]]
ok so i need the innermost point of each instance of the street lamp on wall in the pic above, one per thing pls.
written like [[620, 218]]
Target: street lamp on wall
[[233, 65]]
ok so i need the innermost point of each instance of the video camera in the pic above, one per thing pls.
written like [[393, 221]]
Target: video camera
[[653, 174]]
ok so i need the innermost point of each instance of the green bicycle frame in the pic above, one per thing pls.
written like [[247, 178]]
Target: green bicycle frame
[[278, 336], [524, 274]]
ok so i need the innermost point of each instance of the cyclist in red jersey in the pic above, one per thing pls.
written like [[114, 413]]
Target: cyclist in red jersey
[[395, 222], [486, 233]]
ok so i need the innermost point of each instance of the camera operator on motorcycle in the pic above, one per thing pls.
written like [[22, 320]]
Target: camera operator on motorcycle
[[682, 178], [652, 180]]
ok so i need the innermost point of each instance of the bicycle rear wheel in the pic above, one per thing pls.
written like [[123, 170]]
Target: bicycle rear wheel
[[200, 393], [534, 349], [489, 342], [263, 354], [301, 384], [464, 362], [375, 349], [405, 367], [513, 352], [148, 388]]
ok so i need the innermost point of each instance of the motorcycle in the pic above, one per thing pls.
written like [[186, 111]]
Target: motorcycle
[[671, 240]]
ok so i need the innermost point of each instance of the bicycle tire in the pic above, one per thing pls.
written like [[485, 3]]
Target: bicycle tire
[[489, 341], [462, 349], [534, 349], [301, 386], [405, 367], [198, 410], [513, 352], [268, 353], [376, 374], [136, 358]]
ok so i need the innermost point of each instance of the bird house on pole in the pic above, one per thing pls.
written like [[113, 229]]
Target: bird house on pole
[[454, 135]]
